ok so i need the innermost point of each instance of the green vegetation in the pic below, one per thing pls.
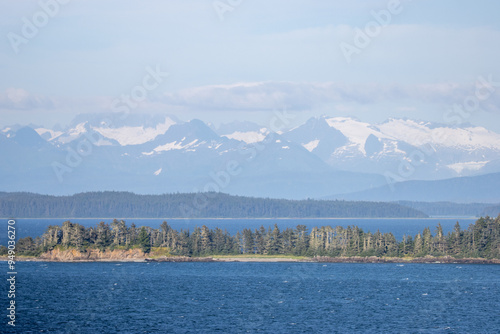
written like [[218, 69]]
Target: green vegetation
[[193, 205], [481, 239], [144, 240]]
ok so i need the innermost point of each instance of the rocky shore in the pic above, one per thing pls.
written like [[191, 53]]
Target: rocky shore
[[92, 255], [136, 255]]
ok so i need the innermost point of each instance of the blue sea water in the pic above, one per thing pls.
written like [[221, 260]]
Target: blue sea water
[[254, 298], [398, 226]]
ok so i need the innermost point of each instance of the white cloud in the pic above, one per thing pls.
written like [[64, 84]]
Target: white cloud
[[20, 99], [257, 96]]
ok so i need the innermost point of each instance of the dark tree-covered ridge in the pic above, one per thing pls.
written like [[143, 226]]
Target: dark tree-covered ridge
[[190, 205], [479, 240]]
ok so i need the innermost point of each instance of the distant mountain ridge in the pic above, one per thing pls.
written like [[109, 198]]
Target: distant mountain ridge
[[450, 209], [482, 188], [326, 156]]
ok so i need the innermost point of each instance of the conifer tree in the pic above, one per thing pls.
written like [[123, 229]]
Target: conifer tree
[[144, 240]]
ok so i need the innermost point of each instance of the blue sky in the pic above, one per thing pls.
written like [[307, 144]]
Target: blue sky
[[238, 60]]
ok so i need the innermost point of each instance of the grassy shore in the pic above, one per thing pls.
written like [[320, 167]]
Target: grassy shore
[[261, 258]]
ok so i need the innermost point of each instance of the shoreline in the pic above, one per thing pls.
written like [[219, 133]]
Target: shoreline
[[271, 259], [248, 218]]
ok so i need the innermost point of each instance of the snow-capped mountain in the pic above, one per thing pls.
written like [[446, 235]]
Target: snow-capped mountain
[[121, 129], [247, 132], [157, 154], [135, 135], [423, 149], [318, 137]]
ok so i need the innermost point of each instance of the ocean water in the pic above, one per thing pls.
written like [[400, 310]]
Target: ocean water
[[398, 226], [254, 298]]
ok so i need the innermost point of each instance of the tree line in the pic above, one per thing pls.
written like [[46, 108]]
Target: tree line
[[190, 205], [481, 239]]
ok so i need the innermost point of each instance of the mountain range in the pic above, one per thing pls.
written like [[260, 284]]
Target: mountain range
[[326, 157]]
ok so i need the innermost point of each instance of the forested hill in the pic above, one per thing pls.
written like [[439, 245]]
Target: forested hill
[[454, 209], [189, 205]]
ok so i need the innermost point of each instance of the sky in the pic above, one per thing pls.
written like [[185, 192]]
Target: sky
[[228, 60]]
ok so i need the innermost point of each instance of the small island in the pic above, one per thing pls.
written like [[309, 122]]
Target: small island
[[71, 242]]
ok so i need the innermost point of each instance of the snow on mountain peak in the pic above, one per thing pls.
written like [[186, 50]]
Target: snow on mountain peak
[[135, 135], [311, 145], [79, 129], [249, 137], [467, 166], [48, 134], [72, 133], [175, 146], [169, 146], [421, 133], [355, 131]]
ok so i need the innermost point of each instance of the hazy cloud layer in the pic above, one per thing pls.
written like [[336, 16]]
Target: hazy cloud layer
[[259, 96], [20, 99], [261, 56]]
